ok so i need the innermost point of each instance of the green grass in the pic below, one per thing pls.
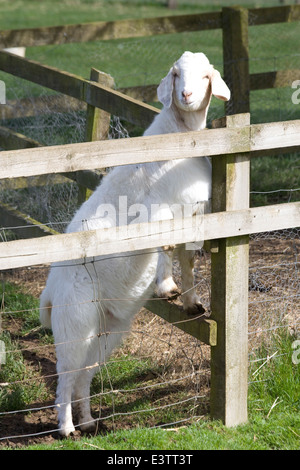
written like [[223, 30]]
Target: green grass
[[278, 382], [23, 389], [274, 409], [22, 310], [56, 12], [79, 58], [276, 173], [274, 417], [274, 401], [19, 305], [119, 58]]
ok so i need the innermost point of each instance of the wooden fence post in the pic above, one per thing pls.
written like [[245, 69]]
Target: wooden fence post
[[236, 59], [229, 290], [97, 121]]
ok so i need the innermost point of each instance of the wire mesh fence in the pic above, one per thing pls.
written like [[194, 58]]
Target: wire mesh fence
[[160, 376], [157, 377]]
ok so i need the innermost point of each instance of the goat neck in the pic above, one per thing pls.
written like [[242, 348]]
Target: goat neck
[[189, 120], [173, 119]]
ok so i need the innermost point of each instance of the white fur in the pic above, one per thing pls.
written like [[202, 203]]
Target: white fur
[[80, 300]]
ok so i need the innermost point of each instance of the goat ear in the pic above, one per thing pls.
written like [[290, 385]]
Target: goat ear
[[165, 89], [218, 87]]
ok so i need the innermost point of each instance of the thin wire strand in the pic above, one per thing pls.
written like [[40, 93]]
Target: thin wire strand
[[146, 410], [109, 392]]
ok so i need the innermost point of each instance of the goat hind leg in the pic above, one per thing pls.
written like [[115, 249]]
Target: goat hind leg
[[82, 401], [191, 301]]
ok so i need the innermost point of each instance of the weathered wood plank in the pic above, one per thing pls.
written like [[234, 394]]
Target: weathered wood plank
[[97, 126], [11, 140], [146, 236], [104, 30], [275, 135], [258, 81], [201, 328], [229, 290], [40, 105], [36, 181], [249, 221], [256, 139], [236, 58], [121, 29], [21, 224], [148, 93], [104, 154], [77, 87], [97, 120], [277, 79], [269, 15]]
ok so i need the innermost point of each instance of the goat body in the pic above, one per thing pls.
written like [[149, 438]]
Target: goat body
[[90, 303]]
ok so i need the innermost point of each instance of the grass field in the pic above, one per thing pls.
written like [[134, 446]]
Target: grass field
[[142, 61], [274, 405], [274, 402]]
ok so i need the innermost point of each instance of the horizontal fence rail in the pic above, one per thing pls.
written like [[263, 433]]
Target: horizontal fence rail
[[122, 29], [142, 114], [230, 149], [107, 30], [256, 139], [77, 87], [143, 236]]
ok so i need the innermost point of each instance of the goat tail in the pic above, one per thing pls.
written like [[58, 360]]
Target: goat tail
[[45, 310]]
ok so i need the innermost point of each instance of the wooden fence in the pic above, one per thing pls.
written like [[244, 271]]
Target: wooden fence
[[231, 144], [98, 91], [234, 22], [230, 224]]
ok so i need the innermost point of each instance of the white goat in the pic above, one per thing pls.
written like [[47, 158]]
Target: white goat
[[90, 303]]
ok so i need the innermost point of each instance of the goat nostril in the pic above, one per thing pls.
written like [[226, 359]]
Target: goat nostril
[[186, 94]]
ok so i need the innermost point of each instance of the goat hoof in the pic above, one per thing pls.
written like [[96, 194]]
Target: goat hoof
[[195, 309], [167, 289], [67, 432], [173, 294], [89, 428]]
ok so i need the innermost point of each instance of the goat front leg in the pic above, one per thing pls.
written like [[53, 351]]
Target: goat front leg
[[165, 285], [191, 301]]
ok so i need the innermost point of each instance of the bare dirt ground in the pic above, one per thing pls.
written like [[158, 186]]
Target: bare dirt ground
[[274, 289]]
